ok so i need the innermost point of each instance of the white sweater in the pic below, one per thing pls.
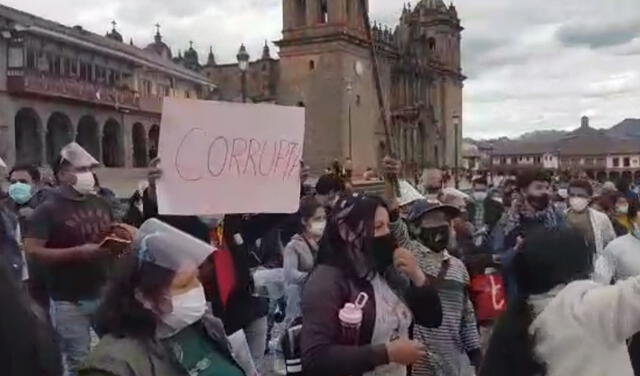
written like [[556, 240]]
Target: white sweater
[[582, 330], [619, 261]]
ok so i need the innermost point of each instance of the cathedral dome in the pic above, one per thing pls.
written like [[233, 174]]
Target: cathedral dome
[[191, 59], [159, 47], [432, 4], [114, 34]]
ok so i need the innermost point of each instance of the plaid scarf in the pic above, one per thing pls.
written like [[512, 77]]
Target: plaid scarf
[[546, 217]]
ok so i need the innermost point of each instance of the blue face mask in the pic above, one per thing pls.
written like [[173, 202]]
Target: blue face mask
[[21, 193]]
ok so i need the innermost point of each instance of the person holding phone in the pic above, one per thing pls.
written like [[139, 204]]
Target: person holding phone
[[64, 235]]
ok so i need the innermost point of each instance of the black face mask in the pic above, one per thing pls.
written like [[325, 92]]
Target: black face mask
[[382, 250], [539, 202], [436, 238]]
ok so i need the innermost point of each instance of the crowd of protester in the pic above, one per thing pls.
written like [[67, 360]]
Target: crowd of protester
[[516, 276]]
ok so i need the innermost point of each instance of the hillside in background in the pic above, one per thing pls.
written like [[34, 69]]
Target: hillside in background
[[628, 128]]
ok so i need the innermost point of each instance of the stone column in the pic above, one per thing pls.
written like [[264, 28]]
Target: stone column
[[337, 11], [313, 12]]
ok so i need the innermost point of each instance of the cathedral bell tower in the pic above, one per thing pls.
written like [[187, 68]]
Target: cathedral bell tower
[[325, 66]]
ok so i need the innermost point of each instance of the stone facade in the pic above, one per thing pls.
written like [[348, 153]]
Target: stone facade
[[59, 84], [326, 66]]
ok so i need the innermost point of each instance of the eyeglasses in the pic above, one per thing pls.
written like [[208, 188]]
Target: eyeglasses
[[23, 181]]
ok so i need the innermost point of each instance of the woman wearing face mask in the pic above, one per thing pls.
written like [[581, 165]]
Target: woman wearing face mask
[[153, 319], [619, 216], [358, 254], [301, 253]]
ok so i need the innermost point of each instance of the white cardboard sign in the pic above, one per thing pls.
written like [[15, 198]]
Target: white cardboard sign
[[226, 158]]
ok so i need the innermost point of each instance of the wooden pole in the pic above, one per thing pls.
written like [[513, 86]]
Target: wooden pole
[[378, 84]]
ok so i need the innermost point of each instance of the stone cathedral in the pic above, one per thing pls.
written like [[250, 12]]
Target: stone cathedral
[[325, 65]]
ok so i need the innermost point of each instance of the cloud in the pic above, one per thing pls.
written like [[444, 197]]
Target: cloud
[[598, 34], [531, 64]]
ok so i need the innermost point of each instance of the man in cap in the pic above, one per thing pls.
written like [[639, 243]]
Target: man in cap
[[64, 234], [428, 236], [432, 181]]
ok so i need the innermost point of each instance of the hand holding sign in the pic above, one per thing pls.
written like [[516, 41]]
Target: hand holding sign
[[220, 157]]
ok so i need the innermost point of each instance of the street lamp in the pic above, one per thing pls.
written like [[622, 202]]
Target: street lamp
[[456, 129], [243, 64], [349, 91]]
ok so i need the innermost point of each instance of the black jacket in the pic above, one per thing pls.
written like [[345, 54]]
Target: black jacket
[[492, 212]]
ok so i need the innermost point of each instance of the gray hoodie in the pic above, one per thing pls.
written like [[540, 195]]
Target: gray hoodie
[[299, 260]]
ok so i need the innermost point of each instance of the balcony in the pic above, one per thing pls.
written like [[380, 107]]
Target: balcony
[[33, 83]]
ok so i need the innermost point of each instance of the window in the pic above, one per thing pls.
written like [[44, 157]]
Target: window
[[537, 160], [588, 161], [324, 12], [431, 43], [146, 87], [358, 100], [16, 57], [616, 162], [187, 94], [312, 65], [57, 65], [112, 78], [31, 59], [66, 66], [84, 71], [627, 162], [74, 67]]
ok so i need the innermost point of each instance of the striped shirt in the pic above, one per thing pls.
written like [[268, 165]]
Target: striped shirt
[[447, 345]]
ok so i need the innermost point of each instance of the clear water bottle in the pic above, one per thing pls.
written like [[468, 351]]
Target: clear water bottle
[[351, 319]]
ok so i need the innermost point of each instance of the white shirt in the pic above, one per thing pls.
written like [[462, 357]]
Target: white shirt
[[583, 329], [619, 261]]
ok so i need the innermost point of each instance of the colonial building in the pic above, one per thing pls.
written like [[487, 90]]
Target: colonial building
[[598, 154], [325, 65], [59, 84], [62, 83]]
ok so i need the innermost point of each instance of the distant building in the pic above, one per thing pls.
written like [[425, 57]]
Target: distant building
[[59, 84], [600, 155]]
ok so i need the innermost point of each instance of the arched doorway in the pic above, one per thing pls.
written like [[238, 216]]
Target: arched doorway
[[601, 176], [614, 176], [28, 137], [59, 134], [627, 176], [636, 177], [154, 137], [112, 144], [139, 138], [88, 135]]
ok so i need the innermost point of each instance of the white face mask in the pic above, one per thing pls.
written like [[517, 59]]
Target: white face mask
[[317, 227], [578, 203], [188, 308], [480, 195], [622, 209], [85, 182]]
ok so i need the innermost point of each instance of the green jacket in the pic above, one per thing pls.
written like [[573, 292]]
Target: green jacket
[[133, 357]]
